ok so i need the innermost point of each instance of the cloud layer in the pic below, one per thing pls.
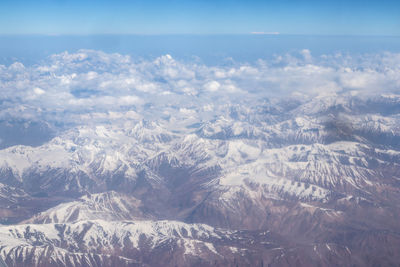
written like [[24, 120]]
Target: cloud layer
[[71, 86]]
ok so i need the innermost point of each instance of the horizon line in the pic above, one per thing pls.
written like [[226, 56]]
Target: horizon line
[[255, 33]]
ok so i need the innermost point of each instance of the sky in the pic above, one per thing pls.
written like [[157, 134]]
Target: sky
[[310, 17]]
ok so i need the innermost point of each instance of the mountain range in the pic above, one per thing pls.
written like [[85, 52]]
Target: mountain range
[[280, 182]]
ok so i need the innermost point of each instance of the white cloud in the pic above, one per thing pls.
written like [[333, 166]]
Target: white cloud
[[38, 91], [129, 100], [306, 55], [212, 86], [95, 82], [17, 67]]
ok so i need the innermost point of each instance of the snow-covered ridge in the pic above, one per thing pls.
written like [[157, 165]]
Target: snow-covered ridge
[[110, 206], [108, 232], [39, 242], [84, 146]]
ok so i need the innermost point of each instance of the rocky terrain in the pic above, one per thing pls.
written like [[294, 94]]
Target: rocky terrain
[[275, 184]]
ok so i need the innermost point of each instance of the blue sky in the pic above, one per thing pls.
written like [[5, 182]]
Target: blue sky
[[329, 17]]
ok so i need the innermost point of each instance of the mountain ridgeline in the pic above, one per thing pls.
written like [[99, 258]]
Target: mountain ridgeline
[[280, 182]]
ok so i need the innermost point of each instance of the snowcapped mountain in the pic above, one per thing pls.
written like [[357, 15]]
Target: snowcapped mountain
[[321, 176], [109, 206], [99, 242]]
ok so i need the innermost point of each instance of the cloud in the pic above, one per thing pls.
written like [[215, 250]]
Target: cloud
[[38, 91], [68, 85], [212, 86], [306, 55]]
